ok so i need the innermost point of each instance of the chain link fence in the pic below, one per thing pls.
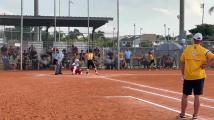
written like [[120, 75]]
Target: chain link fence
[[37, 51]]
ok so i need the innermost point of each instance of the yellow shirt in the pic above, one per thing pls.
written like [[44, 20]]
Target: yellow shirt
[[89, 56], [193, 58], [121, 56], [151, 57]]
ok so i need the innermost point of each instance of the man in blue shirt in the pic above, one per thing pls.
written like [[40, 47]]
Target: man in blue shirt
[[58, 56], [128, 58]]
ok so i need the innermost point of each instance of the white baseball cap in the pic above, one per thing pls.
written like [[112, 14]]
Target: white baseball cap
[[198, 36]]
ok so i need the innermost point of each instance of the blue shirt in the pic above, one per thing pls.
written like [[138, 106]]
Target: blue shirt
[[58, 56], [128, 54]]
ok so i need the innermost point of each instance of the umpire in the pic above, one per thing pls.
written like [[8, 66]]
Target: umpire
[[58, 56], [193, 62]]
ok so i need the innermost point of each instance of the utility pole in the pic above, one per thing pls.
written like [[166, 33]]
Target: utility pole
[[59, 16], [181, 20], [168, 33], [21, 43], [54, 20], [88, 24], [134, 36], [141, 34], [164, 31], [69, 11], [118, 34]]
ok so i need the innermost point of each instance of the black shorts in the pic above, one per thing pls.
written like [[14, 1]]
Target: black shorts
[[55, 62], [195, 85], [91, 63], [128, 61], [151, 62]]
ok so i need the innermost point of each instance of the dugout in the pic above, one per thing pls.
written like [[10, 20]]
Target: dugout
[[49, 21]]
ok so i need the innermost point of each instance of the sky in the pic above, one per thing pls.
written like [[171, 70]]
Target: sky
[[150, 15]]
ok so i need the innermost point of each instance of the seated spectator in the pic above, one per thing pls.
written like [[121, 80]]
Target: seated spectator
[[168, 62], [145, 62], [82, 56], [13, 61], [109, 63], [5, 57], [45, 61]]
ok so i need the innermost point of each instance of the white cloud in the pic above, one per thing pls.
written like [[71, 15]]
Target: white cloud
[[162, 10], [194, 7]]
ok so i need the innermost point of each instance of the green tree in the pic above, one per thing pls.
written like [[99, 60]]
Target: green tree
[[211, 10], [205, 29]]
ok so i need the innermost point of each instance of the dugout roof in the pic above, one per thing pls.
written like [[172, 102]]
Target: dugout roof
[[14, 20]]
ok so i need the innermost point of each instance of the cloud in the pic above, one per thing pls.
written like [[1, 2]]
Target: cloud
[[162, 10], [5, 12], [194, 7]]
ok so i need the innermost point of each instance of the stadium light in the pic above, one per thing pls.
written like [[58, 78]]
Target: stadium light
[[21, 67]]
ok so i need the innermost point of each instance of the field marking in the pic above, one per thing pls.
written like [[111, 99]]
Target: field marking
[[152, 103], [165, 96], [154, 88]]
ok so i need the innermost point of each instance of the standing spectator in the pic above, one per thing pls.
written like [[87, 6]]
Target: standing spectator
[[110, 54], [58, 57], [34, 58], [5, 57], [11, 51], [82, 56], [122, 60], [31, 48], [128, 58], [25, 59], [151, 60], [13, 61], [97, 52], [194, 60]]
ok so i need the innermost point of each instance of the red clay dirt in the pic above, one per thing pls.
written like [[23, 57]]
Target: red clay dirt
[[111, 95]]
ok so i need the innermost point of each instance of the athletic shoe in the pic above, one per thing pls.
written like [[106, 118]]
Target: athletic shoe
[[194, 118], [181, 117]]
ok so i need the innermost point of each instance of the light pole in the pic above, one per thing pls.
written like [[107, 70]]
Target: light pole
[[202, 6], [113, 36], [21, 43], [88, 24], [168, 33], [59, 16], [134, 35], [69, 11], [165, 30], [141, 34], [54, 20], [181, 22], [118, 34]]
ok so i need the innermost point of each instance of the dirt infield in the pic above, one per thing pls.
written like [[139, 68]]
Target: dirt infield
[[111, 95]]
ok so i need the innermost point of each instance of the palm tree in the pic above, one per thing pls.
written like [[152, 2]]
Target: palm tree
[[211, 10]]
